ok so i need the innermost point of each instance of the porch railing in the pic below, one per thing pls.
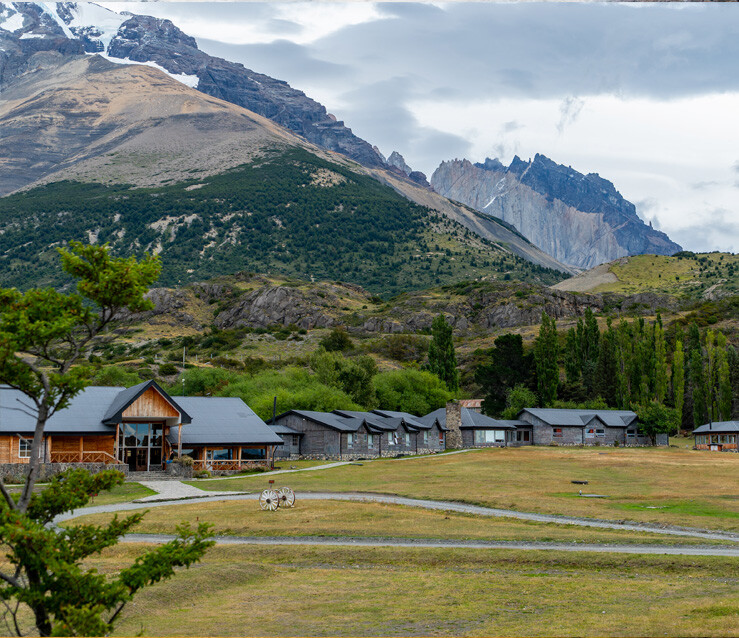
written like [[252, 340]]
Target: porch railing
[[87, 457]]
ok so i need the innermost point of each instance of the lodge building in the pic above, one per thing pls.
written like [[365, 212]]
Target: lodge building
[[140, 427]]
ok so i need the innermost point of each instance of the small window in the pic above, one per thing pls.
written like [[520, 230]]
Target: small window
[[296, 439], [350, 440], [24, 448], [600, 432], [441, 438], [425, 437], [557, 432], [631, 433], [407, 438], [370, 440]]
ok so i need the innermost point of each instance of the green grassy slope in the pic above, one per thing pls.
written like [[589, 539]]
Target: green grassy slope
[[288, 213]]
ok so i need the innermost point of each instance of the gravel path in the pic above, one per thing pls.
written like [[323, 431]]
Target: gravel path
[[173, 490], [348, 541], [432, 505]]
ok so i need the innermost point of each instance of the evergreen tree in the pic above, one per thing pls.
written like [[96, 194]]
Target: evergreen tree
[[660, 368], [573, 362], [508, 366], [697, 381], [442, 357], [678, 379], [607, 369], [724, 397], [546, 352]]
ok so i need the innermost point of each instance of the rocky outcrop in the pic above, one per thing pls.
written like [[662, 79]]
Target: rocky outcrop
[[396, 162], [581, 220], [275, 305]]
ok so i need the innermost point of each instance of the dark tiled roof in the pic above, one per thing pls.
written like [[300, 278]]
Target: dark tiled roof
[[410, 419], [578, 418], [129, 395], [720, 427], [329, 419], [470, 420], [84, 415], [222, 421], [278, 428]]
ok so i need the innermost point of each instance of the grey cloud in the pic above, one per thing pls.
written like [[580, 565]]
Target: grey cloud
[[735, 168], [705, 185], [569, 111], [509, 127], [722, 231], [280, 60]]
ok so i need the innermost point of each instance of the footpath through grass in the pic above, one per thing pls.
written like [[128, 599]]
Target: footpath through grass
[[322, 591], [372, 520], [669, 486]]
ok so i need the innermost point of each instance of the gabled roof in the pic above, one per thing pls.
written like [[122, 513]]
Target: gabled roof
[[721, 427], [579, 418], [126, 397], [408, 418], [222, 421], [373, 420], [84, 415], [329, 419], [470, 420], [278, 428]]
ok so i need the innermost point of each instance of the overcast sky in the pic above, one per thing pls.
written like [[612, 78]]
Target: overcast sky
[[645, 95]]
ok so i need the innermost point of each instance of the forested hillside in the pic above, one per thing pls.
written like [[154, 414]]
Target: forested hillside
[[288, 212]]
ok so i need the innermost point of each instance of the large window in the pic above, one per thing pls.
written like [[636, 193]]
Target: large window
[[488, 437], [140, 444], [557, 432], [225, 454]]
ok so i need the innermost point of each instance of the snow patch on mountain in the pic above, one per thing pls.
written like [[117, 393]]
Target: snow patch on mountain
[[187, 80], [11, 22]]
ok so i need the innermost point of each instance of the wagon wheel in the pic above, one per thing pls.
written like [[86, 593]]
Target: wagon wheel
[[286, 496], [269, 500]]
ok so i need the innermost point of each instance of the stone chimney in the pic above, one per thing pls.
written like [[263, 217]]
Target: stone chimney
[[453, 423]]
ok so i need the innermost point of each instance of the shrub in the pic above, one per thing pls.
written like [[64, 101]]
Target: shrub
[[337, 341], [201, 474], [167, 369]]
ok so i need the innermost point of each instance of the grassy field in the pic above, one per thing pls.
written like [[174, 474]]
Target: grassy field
[[671, 486], [341, 518], [284, 591]]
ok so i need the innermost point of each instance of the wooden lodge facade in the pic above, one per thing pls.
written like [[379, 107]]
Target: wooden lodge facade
[[140, 427]]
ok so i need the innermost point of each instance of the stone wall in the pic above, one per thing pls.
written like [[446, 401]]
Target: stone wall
[[17, 472], [179, 470]]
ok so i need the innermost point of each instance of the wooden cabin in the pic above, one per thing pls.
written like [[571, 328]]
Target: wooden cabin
[[133, 426], [717, 437]]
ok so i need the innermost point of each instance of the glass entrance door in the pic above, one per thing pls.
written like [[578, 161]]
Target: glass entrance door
[[141, 445]]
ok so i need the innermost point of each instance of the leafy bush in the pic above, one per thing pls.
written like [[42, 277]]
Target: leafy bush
[[337, 341], [167, 369], [415, 391], [115, 376]]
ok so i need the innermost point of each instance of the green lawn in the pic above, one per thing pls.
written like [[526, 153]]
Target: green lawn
[[670, 485], [321, 591], [342, 518]]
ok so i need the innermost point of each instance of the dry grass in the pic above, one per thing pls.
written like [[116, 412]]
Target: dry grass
[[284, 591], [341, 518], [672, 486]]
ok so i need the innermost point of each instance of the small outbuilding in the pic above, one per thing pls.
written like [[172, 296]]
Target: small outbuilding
[[717, 437]]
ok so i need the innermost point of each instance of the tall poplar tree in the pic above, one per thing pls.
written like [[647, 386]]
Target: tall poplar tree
[[442, 357], [660, 353], [546, 354], [678, 378]]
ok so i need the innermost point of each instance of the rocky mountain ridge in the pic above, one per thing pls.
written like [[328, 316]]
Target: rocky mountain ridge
[[581, 220], [71, 28]]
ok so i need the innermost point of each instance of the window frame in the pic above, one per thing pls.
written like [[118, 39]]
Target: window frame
[[29, 446], [557, 433]]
